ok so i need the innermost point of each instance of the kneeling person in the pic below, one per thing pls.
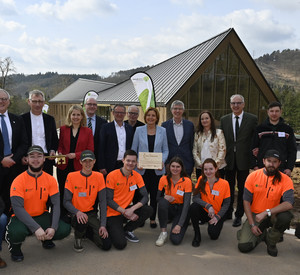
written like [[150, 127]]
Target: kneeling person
[[82, 189], [121, 185], [29, 194], [268, 196]]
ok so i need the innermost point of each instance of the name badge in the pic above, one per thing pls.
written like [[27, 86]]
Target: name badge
[[180, 193], [215, 192], [133, 187], [281, 134], [82, 194]]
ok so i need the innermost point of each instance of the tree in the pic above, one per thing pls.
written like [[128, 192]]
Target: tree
[[6, 67]]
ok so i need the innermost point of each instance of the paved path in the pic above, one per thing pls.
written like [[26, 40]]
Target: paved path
[[212, 257]]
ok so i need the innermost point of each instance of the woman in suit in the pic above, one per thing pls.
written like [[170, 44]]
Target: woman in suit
[[209, 142], [151, 138], [74, 138]]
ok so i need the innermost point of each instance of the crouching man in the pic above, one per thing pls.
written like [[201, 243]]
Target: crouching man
[[121, 184], [82, 189], [268, 197], [29, 194]]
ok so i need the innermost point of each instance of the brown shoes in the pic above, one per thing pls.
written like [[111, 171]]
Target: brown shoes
[[2, 263]]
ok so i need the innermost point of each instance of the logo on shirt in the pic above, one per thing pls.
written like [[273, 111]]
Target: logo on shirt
[[27, 190]]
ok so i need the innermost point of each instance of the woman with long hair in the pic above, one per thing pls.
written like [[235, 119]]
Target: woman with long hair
[[174, 196], [210, 201], [209, 142]]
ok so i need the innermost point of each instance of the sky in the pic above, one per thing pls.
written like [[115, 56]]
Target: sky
[[106, 36]]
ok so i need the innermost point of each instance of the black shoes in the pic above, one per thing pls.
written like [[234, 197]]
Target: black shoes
[[196, 240], [48, 244], [237, 222]]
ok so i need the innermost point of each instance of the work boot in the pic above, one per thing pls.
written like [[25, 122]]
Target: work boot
[[196, 240], [271, 248]]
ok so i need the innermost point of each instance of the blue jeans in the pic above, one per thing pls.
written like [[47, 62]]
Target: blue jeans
[[3, 222]]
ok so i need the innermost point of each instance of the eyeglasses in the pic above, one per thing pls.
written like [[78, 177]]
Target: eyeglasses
[[133, 114], [236, 103], [4, 99], [91, 104], [37, 101]]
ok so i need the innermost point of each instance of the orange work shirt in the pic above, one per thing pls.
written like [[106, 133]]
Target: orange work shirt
[[215, 197], [124, 188], [265, 194], [84, 189], [34, 191], [184, 185]]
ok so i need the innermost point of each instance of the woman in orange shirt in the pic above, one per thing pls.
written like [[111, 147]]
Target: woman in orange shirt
[[210, 201], [174, 203]]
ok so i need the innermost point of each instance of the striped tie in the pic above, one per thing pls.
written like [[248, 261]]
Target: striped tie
[[90, 123]]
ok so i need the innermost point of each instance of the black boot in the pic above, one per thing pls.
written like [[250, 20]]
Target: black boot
[[196, 240]]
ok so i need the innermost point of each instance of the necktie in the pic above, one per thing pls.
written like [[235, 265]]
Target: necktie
[[90, 123], [237, 126], [7, 150]]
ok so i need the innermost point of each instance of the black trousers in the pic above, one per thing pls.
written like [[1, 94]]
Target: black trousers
[[168, 211], [197, 213], [116, 230]]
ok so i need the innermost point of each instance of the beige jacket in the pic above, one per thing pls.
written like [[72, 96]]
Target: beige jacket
[[217, 148]]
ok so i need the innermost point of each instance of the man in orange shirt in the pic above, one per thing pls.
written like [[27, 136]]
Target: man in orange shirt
[[268, 197], [121, 185], [29, 194], [82, 189]]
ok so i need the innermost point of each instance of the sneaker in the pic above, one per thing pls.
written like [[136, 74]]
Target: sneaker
[[161, 239], [131, 237], [77, 246], [17, 257], [48, 244]]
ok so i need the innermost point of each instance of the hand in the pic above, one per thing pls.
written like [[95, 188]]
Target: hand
[[139, 167], [71, 155], [103, 171], [213, 221], [260, 217], [162, 167], [52, 154], [256, 231], [255, 152], [7, 161], [288, 172], [103, 232], [129, 214], [176, 229], [169, 198], [40, 234], [24, 160], [49, 233], [81, 217], [211, 212]]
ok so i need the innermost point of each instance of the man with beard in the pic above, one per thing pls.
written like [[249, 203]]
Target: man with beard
[[268, 197], [29, 194]]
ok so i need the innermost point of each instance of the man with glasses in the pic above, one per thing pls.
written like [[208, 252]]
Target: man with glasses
[[115, 138], [95, 123], [41, 129], [238, 128], [13, 146], [180, 134], [133, 114]]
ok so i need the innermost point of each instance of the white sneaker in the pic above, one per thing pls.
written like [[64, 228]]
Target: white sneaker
[[161, 239]]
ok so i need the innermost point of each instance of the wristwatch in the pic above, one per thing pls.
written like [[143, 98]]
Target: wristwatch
[[269, 212]]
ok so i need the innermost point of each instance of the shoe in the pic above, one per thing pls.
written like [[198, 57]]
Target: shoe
[[142, 225], [162, 238], [77, 246], [48, 244], [271, 249], [281, 239], [153, 224], [2, 263], [131, 237], [196, 241], [17, 257], [237, 222]]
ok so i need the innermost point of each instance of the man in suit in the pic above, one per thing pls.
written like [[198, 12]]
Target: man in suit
[[180, 134], [13, 146], [95, 123], [238, 128], [133, 114], [115, 138], [41, 129]]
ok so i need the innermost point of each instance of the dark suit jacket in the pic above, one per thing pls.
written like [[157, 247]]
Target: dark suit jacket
[[19, 138], [185, 149], [49, 128], [244, 141], [109, 147], [99, 123], [85, 142]]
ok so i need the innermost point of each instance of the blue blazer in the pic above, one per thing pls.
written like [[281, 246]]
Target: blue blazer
[[185, 149], [140, 144]]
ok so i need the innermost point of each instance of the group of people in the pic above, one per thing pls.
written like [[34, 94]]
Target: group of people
[[101, 185]]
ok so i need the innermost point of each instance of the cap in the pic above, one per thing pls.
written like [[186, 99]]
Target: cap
[[87, 154], [35, 149], [272, 154]]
